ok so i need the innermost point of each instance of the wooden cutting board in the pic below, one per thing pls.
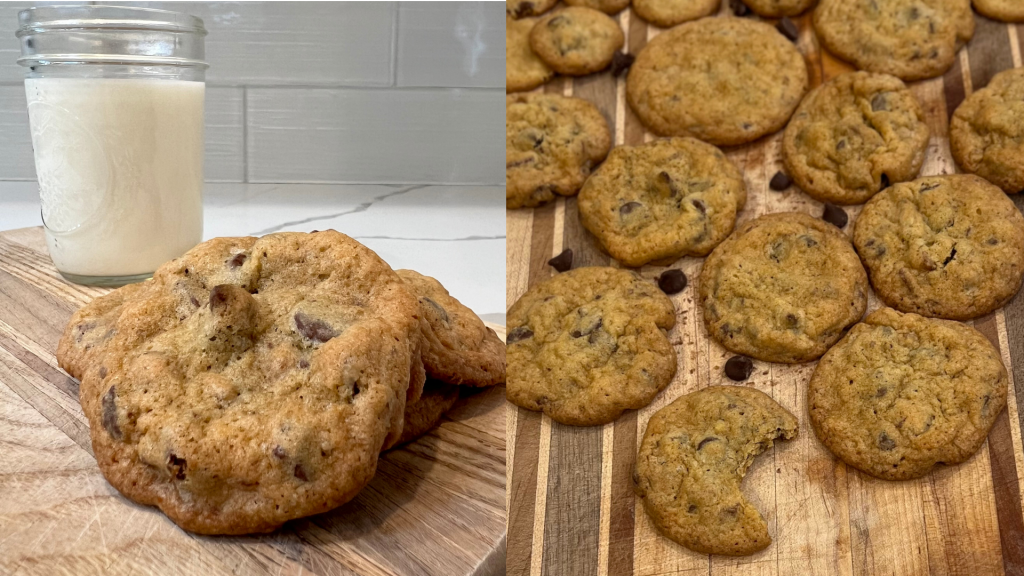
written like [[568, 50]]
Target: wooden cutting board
[[572, 508], [436, 506]]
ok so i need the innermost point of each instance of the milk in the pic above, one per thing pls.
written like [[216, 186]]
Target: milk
[[120, 168]]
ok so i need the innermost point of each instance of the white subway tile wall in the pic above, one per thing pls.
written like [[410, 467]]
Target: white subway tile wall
[[350, 92]]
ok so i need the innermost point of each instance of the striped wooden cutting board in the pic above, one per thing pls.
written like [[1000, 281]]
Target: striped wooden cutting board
[[572, 508], [435, 506]]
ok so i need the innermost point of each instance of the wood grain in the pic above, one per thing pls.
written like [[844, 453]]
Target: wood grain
[[436, 506], [825, 517]]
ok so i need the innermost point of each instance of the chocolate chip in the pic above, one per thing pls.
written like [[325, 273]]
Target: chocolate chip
[[692, 508], [810, 242], [517, 334], [672, 281], [788, 29], [792, 322], [739, 8], [194, 300], [280, 453], [835, 215], [237, 260], [780, 182], [621, 62], [738, 368], [628, 207], [437, 308], [303, 363], [588, 331], [315, 330], [840, 145], [699, 205], [885, 181], [879, 102], [220, 295], [103, 372], [950, 257], [992, 241], [731, 511], [706, 441], [524, 9], [355, 389], [109, 405], [177, 466], [881, 392], [563, 261], [886, 443], [300, 473]]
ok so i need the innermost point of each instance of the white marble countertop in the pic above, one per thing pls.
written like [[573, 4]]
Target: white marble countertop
[[453, 233]]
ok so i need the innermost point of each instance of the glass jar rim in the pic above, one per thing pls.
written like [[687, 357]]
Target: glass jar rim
[[83, 17]]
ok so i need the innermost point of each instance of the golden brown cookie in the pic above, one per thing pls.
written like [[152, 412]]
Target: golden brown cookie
[[902, 393], [524, 70], [424, 414], [1005, 10], [779, 8], [551, 145], [524, 8], [853, 136], [692, 459], [457, 347], [668, 13], [782, 288], [606, 6], [911, 39], [589, 344], [250, 382], [577, 40], [946, 246], [986, 133], [726, 81], [662, 200]]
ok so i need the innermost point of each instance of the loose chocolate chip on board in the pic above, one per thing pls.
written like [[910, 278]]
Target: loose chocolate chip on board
[[621, 62], [738, 368], [835, 215], [739, 8], [780, 182], [563, 261], [672, 281], [788, 29]]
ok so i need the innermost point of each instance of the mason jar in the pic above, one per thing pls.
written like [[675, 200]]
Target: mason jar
[[115, 105]]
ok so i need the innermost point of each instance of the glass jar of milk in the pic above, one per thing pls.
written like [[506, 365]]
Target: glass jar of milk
[[115, 104]]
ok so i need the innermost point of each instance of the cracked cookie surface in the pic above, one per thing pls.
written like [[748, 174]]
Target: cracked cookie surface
[[782, 288], [910, 39], [577, 40], [668, 13], [1005, 10], [692, 460], [725, 81], [779, 8], [853, 136], [986, 133], [662, 200], [552, 143], [456, 346], [524, 70], [250, 382], [942, 246], [902, 393], [588, 344]]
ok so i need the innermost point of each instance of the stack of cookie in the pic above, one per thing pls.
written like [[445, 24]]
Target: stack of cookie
[[894, 394], [256, 380]]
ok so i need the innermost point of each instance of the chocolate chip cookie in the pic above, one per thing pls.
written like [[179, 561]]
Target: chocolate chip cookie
[[692, 459], [1005, 10], [662, 200], [589, 344], [853, 136], [524, 8], [250, 382], [902, 393], [551, 145], [726, 81], [779, 8], [606, 6], [911, 39], [577, 40], [945, 246], [668, 13], [986, 133], [424, 414], [457, 347], [524, 70], [782, 288]]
